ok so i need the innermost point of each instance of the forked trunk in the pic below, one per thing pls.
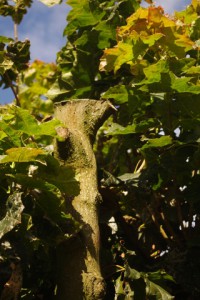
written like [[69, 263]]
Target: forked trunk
[[79, 274]]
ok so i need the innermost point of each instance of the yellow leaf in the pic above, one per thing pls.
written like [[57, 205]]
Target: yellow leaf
[[155, 14], [196, 4], [141, 13], [184, 41], [22, 154]]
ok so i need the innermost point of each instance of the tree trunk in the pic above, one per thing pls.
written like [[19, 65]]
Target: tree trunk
[[79, 274]]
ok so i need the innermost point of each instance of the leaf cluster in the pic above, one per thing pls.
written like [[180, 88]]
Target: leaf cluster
[[33, 188], [16, 10], [34, 84], [14, 58], [87, 36], [152, 147]]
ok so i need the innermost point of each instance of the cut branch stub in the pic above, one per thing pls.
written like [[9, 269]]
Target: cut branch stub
[[78, 260]]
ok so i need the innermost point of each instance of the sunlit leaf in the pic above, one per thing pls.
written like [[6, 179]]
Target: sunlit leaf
[[119, 93], [157, 291], [184, 41], [22, 154], [183, 85], [108, 59], [151, 39], [141, 13], [5, 39], [2, 135], [124, 54], [158, 142], [26, 123], [86, 15], [51, 2], [26, 221], [153, 72], [119, 289], [12, 135], [129, 177], [194, 70], [155, 14]]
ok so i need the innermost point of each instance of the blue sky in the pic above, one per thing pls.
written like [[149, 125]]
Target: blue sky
[[43, 26]]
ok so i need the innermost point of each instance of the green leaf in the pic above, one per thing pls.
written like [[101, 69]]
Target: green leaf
[[2, 135], [23, 154], [16, 10], [50, 176], [26, 221], [19, 53], [49, 198], [106, 34], [119, 289], [33, 182], [58, 89], [51, 2], [26, 123], [151, 39], [116, 129], [146, 125], [153, 289], [132, 274], [48, 128], [129, 177], [5, 65], [183, 85], [119, 93], [12, 136], [159, 276], [193, 70], [154, 71], [14, 207], [5, 39], [158, 142], [60, 176], [125, 55], [110, 180], [82, 15]]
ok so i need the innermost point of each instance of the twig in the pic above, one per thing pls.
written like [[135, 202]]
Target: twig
[[16, 32], [13, 89]]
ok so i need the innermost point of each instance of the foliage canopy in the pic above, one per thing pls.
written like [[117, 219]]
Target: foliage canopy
[[147, 64]]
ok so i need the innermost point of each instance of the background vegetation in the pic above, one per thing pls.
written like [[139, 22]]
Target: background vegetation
[[148, 154]]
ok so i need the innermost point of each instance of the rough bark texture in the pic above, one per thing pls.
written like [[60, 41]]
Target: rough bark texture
[[79, 275]]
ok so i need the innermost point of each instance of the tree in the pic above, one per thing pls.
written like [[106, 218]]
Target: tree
[[147, 65]]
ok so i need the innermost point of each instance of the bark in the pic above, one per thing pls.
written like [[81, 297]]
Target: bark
[[79, 274]]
